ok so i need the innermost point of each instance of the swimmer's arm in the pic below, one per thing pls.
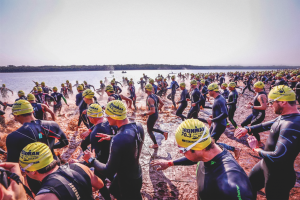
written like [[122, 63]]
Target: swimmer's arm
[[223, 115], [64, 100], [96, 182], [262, 127], [288, 142], [234, 100], [13, 153], [125, 98], [161, 103], [183, 161], [63, 141], [263, 102], [46, 109]]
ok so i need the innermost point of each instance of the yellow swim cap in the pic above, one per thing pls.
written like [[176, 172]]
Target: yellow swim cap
[[282, 93], [54, 88], [94, 110], [21, 107], [259, 85], [89, 94], [80, 87], [190, 131], [279, 75], [173, 77], [116, 110], [182, 84], [34, 88], [30, 97], [43, 83], [213, 87], [21, 93], [193, 82], [148, 87], [112, 81], [224, 84], [67, 81], [36, 83], [109, 88], [202, 81], [151, 80], [298, 76], [232, 84], [100, 81], [130, 82], [35, 156], [84, 82], [3, 85], [39, 89], [62, 85]]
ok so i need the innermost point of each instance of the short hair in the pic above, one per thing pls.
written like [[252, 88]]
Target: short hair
[[292, 103], [48, 167]]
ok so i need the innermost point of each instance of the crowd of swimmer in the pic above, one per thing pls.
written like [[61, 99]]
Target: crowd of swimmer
[[116, 143]]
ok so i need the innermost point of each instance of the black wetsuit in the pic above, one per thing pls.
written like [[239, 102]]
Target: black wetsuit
[[68, 182], [43, 98], [152, 118], [281, 82], [36, 131], [116, 97], [174, 86], [222, 80], [183, 103], [46, 89], [38, 111], [21, 98], [58, 97], [196, 97], [142, 83], [117, 89], [123, 162], [275, 172], [220, 178], [219, 113], [82, 106], [132, 95], [204, 91], [231, 105], [297, 91], [225, 93], [248, 85], [257, 116]]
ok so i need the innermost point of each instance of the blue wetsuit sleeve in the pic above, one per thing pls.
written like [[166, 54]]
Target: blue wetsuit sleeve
[[119, 89], [262, 127], [171, 85], [223, 115], [204, 90], [177, 86], [62, 141], [183, 161], [287, 142], [78, 101], [12, 153]]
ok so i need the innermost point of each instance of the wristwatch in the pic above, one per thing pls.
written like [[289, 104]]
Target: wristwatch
[[91, 160], [252, 107]]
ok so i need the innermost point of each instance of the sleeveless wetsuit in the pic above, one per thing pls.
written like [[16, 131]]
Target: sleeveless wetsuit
[[38, 111], [196, 97]]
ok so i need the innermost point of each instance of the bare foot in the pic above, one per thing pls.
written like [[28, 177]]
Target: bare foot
[[166, 135], [154, 146], [237, 153]]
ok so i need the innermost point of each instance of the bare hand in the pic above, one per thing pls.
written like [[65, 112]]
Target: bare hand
[[252, 141], [248, 106], [103, 137], [163, 164], [193, 104], [188, 99], [209, 121], [14, 191], [88, 154], [240, 132], [250, 103], [84, 134], [84, 112]]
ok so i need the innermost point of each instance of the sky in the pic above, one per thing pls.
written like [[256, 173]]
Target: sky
[[192, 32]]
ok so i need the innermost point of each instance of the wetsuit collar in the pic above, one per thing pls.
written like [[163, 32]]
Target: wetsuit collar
[[289, 115], [216, 159], [124, 126]]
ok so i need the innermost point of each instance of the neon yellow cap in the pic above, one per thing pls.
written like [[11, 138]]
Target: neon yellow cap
[[116, 110], [89, 94], [282, 93], [213, 87], [21, 107], [30, 97], [148, 87], [95, 110]]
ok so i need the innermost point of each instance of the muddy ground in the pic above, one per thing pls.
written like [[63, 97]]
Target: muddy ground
[[175, 182]]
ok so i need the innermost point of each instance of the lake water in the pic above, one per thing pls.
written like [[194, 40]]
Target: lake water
[[23, 81]]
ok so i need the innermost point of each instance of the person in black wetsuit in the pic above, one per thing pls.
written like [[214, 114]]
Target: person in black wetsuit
[[2, 119], [154, 104], [204, 90], [196, 99], [222, 79], [218, 176], [151, 81], [142, 83], [183, 101], [275, 172], [101, 90], [43, 97], [248, 83], [88, 86], [45, 88], [231, 104], [58, 96], [173, 86], [113, 96], [69, 182], [280, 80], [117, 89], [132, 93], [32, 130], [218, 121], [258, 109], [21, 95], [123, 162], [297, 89], [82, 106], [225, 92], [39, 108]]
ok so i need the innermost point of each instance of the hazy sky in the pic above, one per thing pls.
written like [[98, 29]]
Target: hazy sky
[[197, 32]]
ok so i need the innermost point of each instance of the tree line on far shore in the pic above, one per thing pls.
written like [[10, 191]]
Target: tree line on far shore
[[53, 68]]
